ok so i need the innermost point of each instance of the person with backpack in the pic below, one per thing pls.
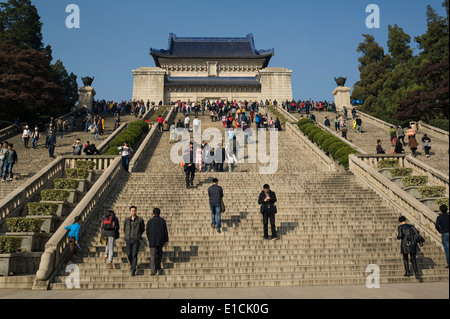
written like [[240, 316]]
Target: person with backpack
[[74, 231], [133, 228], [410, 238], [158, 238], [267, 199], [110, 232]]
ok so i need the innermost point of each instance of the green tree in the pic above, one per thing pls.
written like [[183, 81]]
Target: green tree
[[20, 23], [402, 75], [374, 68], [434, 42], [398, 45]]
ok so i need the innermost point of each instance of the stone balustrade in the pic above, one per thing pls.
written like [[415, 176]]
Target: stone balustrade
[[57, 247], [419, 214], [14, 204], [7, 131]]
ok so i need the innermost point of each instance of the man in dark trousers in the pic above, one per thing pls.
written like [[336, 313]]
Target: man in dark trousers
[[215, 193], [134, 227], [158, 237], [442, 228], [51, 143], [189, 165], [267, 200]]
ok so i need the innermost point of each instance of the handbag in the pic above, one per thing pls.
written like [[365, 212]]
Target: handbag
[[222, 207]]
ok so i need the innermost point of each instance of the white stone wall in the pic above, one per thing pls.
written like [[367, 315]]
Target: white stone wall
[[149, 84], [276, 84]]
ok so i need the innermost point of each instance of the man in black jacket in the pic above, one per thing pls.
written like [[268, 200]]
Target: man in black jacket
[[189, 165], [134, 227], [442, 228], [267, 200], [408, 235], [215, 193], [158, 237]]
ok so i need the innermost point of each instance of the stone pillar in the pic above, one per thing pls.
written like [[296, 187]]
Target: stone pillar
[[149, 84], [86, 97], [276, 84], [342, 97]]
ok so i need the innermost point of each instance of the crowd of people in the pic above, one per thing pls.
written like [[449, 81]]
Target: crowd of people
[[397, 139]]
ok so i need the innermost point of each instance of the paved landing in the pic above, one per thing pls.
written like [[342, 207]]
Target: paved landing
[[391, 291]]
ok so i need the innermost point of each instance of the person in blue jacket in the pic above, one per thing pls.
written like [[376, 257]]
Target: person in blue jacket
[[74, 230]]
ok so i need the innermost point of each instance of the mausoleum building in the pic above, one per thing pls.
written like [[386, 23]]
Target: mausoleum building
[[211, 68]]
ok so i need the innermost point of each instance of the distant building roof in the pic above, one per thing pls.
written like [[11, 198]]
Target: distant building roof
[[211, 48], [212, 81]]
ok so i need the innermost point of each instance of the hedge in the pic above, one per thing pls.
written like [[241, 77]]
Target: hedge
[[24, 225], [307, 127], [432, 191], [88, 165], [440, 123], [77, 173], [414, 180], [395, 172], [388, 163], [329, 143], [131, 134], [42, 209], [54, 195], [442, 201], [304, 121], [314, 132], [66, 183], [10, 244]]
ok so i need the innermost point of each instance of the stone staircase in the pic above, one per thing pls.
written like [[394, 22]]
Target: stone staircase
[[330, 225], [372, 131], [31, 161]]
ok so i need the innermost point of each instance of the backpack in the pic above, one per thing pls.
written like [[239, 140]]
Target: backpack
[[108, 222]]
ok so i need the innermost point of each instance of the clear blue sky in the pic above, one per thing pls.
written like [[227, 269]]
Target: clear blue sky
[[316, 39]]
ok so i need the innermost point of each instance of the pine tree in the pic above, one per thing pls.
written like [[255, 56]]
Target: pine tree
[[20, 23]]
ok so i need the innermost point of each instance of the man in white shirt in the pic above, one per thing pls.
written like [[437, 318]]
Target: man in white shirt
[[187, 122], [196, 124], [125, 152]]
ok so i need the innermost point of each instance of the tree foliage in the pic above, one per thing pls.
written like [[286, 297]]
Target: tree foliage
[[402, 86], [30, 85]]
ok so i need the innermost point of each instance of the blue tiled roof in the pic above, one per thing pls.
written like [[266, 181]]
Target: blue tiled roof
[[211, 48], [212, 81]]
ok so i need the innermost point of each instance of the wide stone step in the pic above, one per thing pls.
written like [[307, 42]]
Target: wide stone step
[[247, 284]]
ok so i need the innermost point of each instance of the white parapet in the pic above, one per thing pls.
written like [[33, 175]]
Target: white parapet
[[276, 84], [149, 84]]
